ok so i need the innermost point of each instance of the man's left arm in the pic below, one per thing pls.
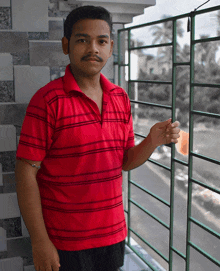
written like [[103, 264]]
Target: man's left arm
[[161, 133]]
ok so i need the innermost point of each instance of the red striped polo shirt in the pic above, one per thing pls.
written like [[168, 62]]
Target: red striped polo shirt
[[81, 150]]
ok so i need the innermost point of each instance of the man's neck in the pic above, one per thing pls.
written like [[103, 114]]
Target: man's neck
[[90, 85]]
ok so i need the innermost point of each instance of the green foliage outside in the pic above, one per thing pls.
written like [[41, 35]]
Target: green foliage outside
[[206, 71]]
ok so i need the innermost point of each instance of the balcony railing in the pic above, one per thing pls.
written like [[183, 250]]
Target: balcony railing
[[174, 160]]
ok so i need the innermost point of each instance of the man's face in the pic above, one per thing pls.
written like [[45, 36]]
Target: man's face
[[90, 39]]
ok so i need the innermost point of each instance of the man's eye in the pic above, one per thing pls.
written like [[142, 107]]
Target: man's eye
[[80, 40], [103, 41]]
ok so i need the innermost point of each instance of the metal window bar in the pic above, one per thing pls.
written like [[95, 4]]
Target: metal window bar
[[192, 112]]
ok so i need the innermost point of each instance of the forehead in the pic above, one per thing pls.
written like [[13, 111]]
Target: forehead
[[88, 26]]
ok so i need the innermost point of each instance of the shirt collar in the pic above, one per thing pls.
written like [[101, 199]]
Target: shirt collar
[[70, 83]]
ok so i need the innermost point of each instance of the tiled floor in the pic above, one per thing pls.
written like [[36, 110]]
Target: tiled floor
[[19, 257], [133, 263]]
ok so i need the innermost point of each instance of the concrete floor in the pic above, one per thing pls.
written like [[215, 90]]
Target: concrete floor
[[19, 257], [133, 263]]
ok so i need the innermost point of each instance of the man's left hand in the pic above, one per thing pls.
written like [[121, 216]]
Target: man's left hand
[[164, 133]]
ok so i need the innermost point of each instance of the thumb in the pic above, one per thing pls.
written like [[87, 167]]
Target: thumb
[[168, 121], [165, 123]]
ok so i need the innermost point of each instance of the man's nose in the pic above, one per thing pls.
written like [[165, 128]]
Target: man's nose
[[93, 47]]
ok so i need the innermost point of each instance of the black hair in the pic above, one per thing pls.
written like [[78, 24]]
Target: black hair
[[86, 12]]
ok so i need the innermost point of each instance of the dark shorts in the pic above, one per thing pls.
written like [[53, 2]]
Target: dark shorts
[[108, 258]]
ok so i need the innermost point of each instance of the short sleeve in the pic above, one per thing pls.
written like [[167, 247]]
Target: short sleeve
[[37, 129], [130, 130]]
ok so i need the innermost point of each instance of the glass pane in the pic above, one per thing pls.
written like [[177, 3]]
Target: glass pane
[[200, 262], [206, 140], [152, 93], [178, 262], [183, 41], [145, 65], [207, 60], [205, 207], [206, 241], [206, 172], [155, 34], [206, 100], [148, 202], [152, 232], [182, 96], [180, 208], [207, 24]]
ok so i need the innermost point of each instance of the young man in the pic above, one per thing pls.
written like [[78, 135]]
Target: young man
[[79, 129]]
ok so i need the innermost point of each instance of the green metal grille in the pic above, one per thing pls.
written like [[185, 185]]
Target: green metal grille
[[189, 164]]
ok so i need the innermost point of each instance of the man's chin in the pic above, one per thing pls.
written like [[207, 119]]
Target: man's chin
[[91, 71], [88, 69]]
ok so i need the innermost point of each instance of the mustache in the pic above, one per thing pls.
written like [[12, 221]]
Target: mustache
[[98, 58]]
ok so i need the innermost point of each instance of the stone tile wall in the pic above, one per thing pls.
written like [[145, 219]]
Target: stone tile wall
[[5, 3], [1, 179], [6, 67], [29, 15], [28, 79], [12, 264], [5, 15], [30, 56]]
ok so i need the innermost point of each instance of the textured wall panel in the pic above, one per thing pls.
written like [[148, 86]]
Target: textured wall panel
[[1, 178], [5, 15], [47, 53], [30, 15], [3, 239], [11, 264], [56, 30], [28, 80], [13, 42], [9, 206], [29, 268], [7, 138], [25, 232], [6, 67], [5, 3]]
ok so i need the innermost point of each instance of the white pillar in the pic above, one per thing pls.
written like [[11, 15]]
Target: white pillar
[[136, 105]]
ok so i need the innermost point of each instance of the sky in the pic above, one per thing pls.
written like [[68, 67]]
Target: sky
[[205, 23]]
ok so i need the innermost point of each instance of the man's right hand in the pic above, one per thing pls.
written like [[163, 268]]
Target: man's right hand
[[45, 256]]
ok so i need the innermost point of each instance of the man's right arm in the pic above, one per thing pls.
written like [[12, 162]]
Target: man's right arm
[[29, 200]]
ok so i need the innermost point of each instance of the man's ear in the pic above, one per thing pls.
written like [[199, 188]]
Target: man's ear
[[111, 48], [65, 46]]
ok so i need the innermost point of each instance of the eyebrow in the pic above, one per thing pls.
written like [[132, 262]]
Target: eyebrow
[[87, 36]]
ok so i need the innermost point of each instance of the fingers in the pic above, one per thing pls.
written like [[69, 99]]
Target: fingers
[[172, 138], [175, 124], [172, 132], [174, 141], [173, 128]]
